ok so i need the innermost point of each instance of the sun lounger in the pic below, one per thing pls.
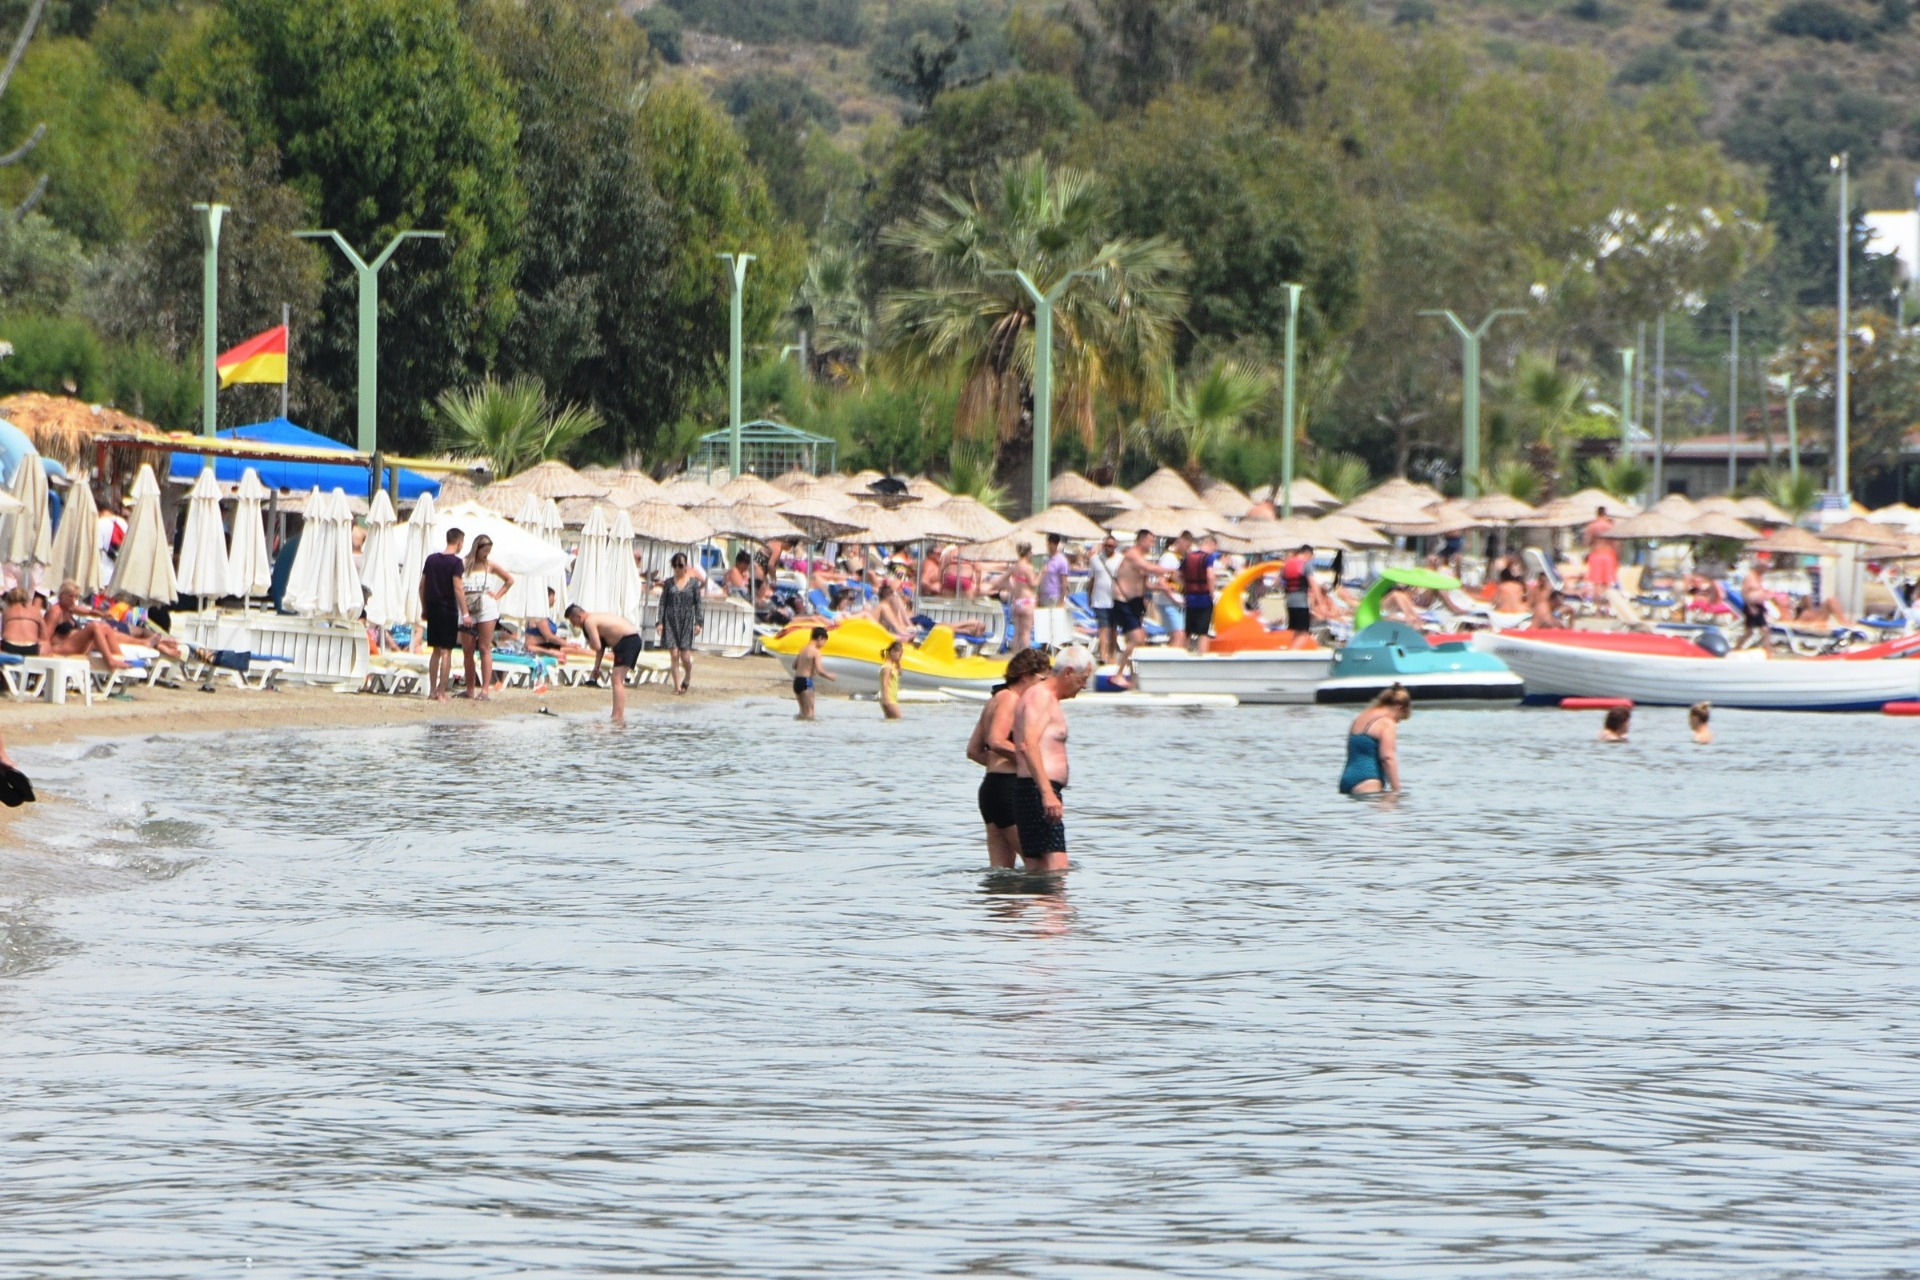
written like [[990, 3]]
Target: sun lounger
[[61, 676], [20, 682]]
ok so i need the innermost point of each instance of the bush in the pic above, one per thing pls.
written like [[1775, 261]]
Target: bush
[[788, 98], [1818, 20], [1414, 13], [771, 21], [1895, 14], [1695, 38], [1689, 6], [1589, 11], [60, 355], [664, 27], [930, 24], [1652, 64]]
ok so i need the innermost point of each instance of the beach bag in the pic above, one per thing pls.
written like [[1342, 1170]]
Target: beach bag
[[15, 790]]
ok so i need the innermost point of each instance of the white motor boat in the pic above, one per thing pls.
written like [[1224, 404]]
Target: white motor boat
[[1667, 670], [1261, 675]]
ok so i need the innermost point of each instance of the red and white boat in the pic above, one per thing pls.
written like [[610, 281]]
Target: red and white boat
[[1671, 670]]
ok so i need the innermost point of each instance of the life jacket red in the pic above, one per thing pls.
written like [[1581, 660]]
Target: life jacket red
[[1293, 574], [1196, 577]]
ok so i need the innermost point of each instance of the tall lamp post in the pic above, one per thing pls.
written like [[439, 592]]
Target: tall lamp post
[[369, 342], [1840, 478], [1043, 376], [211, 215], [737, 262], [1470, 392], [1286, 403], [1659, 403], [1626, 401], [1733, 402]]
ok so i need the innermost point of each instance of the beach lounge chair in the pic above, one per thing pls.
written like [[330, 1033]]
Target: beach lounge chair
[[19, 682], [61, 676]]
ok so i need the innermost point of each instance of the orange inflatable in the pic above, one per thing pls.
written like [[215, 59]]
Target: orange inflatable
[[1235, 631]]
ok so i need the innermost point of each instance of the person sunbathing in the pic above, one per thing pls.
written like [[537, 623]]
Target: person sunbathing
[[1400, 607], [891, 612], [72, 631], [23, 625], [1827, 613]]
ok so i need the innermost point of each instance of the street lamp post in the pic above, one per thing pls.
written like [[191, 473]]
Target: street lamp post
[[1733, 402], [738, 263], [1840, 478], [369, 342], [1793, 429], [1286, 404], [1626, 402], [1043, 376], [1470, 392], [209, 312], [1659, 403]]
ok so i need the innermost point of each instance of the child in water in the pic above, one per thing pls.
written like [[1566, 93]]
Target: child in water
[[1697, 716], [805, 668], [890, 680], [1615, 729]]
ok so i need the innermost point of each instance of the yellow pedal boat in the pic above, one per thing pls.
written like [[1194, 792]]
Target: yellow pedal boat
[[852, 654]]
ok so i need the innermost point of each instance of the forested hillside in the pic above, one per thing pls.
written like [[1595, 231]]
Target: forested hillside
[[1592, 165]]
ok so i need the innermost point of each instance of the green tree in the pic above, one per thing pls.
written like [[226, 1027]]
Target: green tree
[[98, 131], [511, 425], [1111, 332], [1883, 386], [1624, 478], [40, 265], [1340, 474], [1794, 494], [830, 308], [1202, 414], [387, 119], [150, 293]]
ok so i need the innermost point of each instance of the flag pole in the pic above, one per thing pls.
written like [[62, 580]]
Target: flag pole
[[286, 313]]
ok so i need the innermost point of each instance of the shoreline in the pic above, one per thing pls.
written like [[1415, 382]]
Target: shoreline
[[30, 727]]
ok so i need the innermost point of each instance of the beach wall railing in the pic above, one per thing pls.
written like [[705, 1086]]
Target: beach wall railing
[[728, 629], [953, 610], [321, 650]]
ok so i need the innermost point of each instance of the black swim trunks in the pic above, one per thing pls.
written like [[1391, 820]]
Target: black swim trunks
[[801, 684], [1299, 619], [29, 650], [996, 800], [1129, 615], [626, 650], [443, 626], [1039, 834], [1199, 615]]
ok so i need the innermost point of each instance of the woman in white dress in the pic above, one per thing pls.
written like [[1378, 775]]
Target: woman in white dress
[[486, 582]]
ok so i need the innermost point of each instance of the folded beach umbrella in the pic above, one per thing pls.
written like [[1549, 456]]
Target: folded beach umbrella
[[203, 543], [144, 570], [323, 583], [76, 550], [416, 546], [249, 567], [594, 587], [380, 565], [28, 532], [626, 569]]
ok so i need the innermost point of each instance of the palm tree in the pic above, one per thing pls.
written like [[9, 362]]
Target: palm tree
[[834, 314], [1203, 413], [1624, 478], [1111, 332], [511, 424], [1341, 474], [1795, 494], [970, 472], [1515, 478]]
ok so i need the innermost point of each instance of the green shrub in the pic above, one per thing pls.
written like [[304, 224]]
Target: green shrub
[[1819, 20], [665, 30], [1689, 6], [1693, 38], [1414, 13], [1652, 64], [788, 97], [60, 355], [771, 21], [929, 24]]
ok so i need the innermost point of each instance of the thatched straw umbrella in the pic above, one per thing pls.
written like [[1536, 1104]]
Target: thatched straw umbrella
[[556, 480], [1167, 488]]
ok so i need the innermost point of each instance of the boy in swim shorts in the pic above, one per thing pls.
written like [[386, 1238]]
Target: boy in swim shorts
[[805, 668]]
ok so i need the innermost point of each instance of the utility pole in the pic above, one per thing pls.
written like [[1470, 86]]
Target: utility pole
[[1470, 391], [738, 263], [1286, 405], [286, 322], [1840, 419], [1733, 403], [1793, 429], [211, 214], [369, 338], [1659, 405], [1043, 377], [1626, 403]]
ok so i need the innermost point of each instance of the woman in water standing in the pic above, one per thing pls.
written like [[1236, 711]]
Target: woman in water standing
[[1372, 763], [1021, 587], [991, 746], [682, 615], [486, 582]]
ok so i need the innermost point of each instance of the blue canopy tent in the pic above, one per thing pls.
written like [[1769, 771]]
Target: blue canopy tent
[[296, 476]]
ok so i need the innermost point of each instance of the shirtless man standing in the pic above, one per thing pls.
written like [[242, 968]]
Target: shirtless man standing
[[606, 631], [1040, 734], [1131, 581]]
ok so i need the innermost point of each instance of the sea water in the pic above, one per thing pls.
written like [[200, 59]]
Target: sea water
[[728, 995]]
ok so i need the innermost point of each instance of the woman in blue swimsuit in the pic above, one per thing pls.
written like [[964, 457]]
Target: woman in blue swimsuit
[[1372, 765]]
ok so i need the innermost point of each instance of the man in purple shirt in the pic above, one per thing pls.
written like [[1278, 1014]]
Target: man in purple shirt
[[1053, 576], [443, 600]]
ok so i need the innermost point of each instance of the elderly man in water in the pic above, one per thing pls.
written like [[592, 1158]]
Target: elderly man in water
[[1040, 734]]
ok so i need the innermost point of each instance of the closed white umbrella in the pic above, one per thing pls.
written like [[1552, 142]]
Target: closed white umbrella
[[76, 550], [380, 565], [249, 567], [626, 570], [539, 519], [595, 587], [144, 570], [28, 532], [323, 583], [203, 543], [417, 545]]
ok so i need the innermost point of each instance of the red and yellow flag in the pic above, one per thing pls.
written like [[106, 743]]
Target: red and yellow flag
[[261, 358]]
